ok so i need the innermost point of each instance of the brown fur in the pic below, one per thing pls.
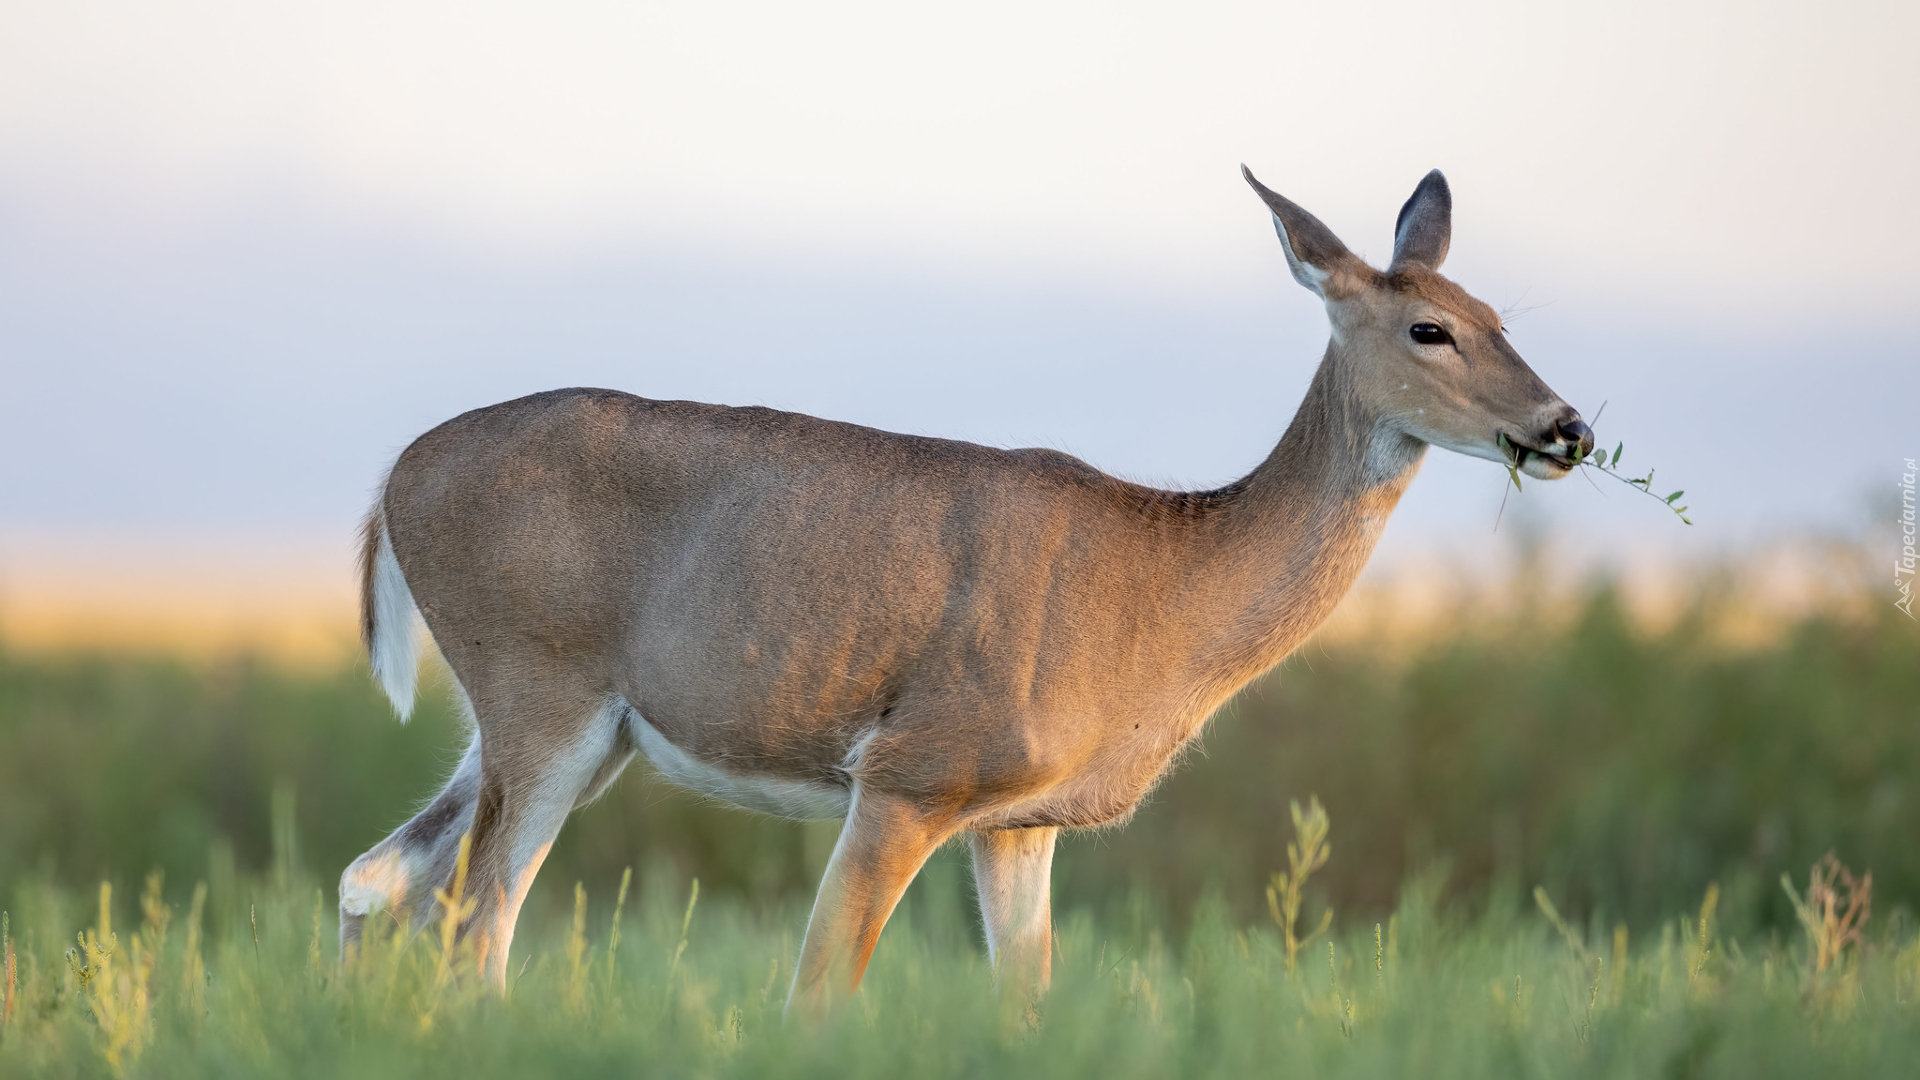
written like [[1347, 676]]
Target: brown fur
[[1011, 640], [369, 546]]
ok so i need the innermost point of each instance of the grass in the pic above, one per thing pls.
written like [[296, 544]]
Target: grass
[[1557, 845], [674, 985]]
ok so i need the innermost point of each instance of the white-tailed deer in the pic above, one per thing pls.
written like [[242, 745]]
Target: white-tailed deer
[[924, 637]]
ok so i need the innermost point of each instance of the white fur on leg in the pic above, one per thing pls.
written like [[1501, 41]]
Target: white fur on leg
[[1013, 872], [563, 778], [540, 812], [375, 882], [400, 873]]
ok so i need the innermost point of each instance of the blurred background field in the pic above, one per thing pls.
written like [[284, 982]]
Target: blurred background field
[[1650, 760], [1623, 753]]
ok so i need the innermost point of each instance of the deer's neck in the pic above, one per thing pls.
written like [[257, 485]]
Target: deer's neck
[[1287, 541]]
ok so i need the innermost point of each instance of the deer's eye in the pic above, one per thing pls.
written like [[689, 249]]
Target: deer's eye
[[1427, 333]]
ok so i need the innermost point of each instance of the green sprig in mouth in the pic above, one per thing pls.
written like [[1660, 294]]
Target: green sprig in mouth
[[1600, 461]]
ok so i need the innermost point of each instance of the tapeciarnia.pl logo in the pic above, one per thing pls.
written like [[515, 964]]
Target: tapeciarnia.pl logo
[[1903, 565]]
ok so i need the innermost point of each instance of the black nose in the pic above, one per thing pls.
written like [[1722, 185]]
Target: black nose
[[1575, 432]]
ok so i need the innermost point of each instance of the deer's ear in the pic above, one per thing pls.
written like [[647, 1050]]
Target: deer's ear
[[1425, 226], [1317, 257]]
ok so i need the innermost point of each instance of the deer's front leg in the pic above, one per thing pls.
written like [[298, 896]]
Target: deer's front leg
[[882, 846], [1013, 871]]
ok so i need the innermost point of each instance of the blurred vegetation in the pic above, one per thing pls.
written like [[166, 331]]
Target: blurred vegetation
[[677, 984], [1624, 770]]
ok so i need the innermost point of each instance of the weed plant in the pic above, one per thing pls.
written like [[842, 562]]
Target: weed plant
[[1648, 789], [685, 987]]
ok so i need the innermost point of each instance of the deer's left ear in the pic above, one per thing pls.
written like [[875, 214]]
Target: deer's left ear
[[1317, 257], [1425, 226]]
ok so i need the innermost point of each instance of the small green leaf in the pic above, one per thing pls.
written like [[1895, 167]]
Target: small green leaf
[[1674, 496], [1600, 458], [1616, 453]]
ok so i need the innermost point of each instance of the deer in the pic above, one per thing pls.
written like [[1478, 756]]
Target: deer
[[924, 638]]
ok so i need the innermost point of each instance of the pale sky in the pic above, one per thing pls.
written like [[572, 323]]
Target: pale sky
[[1723, 149], [247, 250]]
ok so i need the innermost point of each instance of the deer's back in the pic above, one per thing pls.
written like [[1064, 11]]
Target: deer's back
[[767, 588]]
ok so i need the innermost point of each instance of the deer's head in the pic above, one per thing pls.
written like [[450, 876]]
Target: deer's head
[[1426, 358]]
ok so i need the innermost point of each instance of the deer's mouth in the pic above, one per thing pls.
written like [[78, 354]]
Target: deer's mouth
[[1538, 463]]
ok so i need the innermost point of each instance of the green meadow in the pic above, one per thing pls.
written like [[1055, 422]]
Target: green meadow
[[1556, 845]]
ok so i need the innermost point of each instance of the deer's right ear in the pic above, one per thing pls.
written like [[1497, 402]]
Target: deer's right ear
[[1425, 226], [1317, 257]]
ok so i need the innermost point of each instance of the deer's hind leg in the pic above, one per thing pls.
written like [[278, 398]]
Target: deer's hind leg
[[397, 877], [544, 751]]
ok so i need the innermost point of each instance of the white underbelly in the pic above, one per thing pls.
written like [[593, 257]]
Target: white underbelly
[[800, 800]]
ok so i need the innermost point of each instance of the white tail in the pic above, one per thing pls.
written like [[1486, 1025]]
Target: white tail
[[392, 620]]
